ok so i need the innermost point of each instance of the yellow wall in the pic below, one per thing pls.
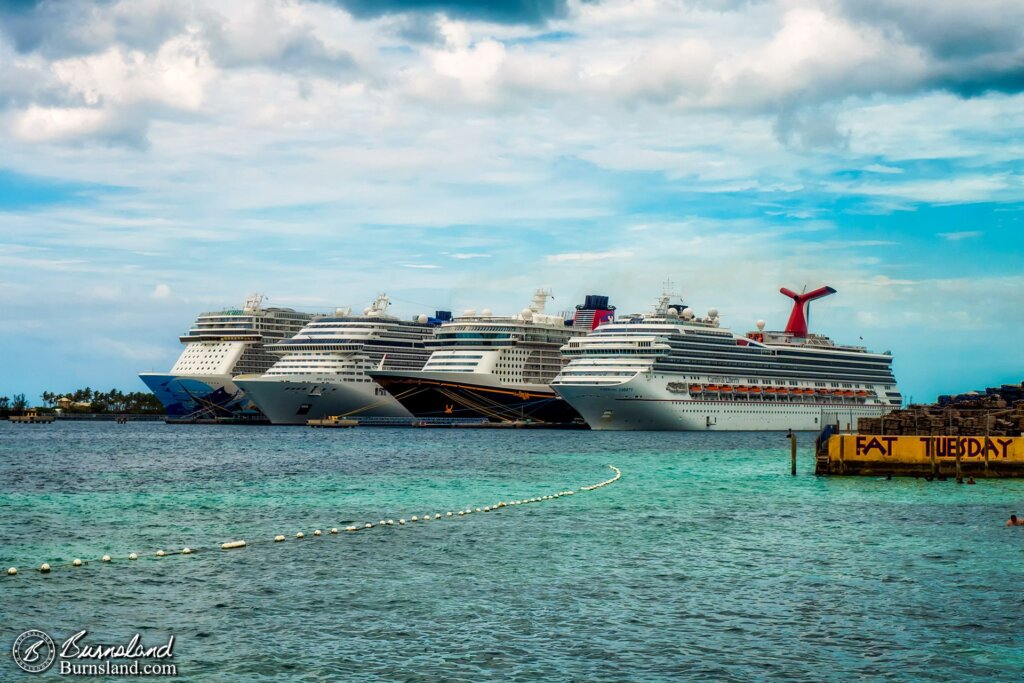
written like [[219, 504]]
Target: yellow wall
[[919, 449]]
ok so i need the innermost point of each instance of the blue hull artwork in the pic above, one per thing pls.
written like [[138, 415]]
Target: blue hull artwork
[[193, 398]]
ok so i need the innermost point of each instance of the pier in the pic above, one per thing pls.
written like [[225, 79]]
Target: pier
[[31, 417], [921, 456]]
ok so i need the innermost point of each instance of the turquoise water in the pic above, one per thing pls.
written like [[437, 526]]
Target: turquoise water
[[705, 561]]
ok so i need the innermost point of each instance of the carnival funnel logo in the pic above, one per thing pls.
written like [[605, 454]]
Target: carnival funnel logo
[[34, 651]]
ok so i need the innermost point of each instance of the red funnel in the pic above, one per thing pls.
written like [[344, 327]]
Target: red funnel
[[797, 325]]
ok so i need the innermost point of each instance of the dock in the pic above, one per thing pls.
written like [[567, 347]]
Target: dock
[[921, 456], [333, 423], [32, 417], [977, 434], [510, 424]]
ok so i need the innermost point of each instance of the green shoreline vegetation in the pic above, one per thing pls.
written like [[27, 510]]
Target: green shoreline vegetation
[[85, 401]]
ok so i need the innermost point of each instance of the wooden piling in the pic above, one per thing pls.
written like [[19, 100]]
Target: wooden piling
[[792, 454]]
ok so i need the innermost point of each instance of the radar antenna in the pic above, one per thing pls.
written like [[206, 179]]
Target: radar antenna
[[666, 297], [253, 303], [540, 299]]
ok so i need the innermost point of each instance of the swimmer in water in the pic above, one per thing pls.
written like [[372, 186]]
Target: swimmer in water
[[1014, 521]]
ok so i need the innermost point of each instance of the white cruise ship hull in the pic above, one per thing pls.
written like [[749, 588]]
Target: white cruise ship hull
[[644, 403], [295, 400]]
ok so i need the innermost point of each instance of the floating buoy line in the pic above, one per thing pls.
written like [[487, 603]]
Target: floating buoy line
[[45, 568]]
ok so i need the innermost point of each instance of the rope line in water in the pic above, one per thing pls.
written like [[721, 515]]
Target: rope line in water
[[45, 567]]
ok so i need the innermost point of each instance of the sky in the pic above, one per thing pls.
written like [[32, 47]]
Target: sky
[[159, 159]]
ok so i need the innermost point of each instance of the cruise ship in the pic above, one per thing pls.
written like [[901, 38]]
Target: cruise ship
[[322, 370], [672, 370], [496, 367], [219, 346]]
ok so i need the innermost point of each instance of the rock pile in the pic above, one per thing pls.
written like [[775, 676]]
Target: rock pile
[[999, 411]]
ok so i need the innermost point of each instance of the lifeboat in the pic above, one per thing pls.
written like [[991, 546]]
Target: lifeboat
[[725, 388], [695, 388], [822, 392], [740, 390], [862, 393], [711, 387]]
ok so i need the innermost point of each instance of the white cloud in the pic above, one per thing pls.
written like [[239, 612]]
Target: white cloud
[[882, 168], [588, 256], [603, 152], [953, 190], [957, 236], [161, 291]]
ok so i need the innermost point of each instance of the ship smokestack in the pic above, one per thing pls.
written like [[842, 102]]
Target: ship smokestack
[[595, 311], [797, 325]]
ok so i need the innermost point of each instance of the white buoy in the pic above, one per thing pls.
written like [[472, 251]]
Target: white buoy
[[478, 509], [350, 528], [132, 556], [401, 521], [367, 526], [437, 515], [316, 532], [382, 522], [160, 553], [11, 571], [105, 558], [278, 538], [414, 518], [448, 514], [300, 535], [186, 551], [232, 544], [44, 568], [76, 562], [487, 509], [462, 513], [334, 529], [391, 522]]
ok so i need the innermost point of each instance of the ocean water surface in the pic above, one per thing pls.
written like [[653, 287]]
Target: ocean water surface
[[707, 560]]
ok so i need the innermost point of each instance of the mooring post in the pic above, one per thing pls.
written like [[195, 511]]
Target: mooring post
[[988, 416], [959, 472], [792, 453], [842, 455]]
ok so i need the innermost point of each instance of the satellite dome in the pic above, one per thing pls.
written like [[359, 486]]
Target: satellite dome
[[366, 311], [486, 313], [672, 312], [712, 312], [527, 314], [760, 326], [469, 312], [688, 313], [339, 311], [422, 318]]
